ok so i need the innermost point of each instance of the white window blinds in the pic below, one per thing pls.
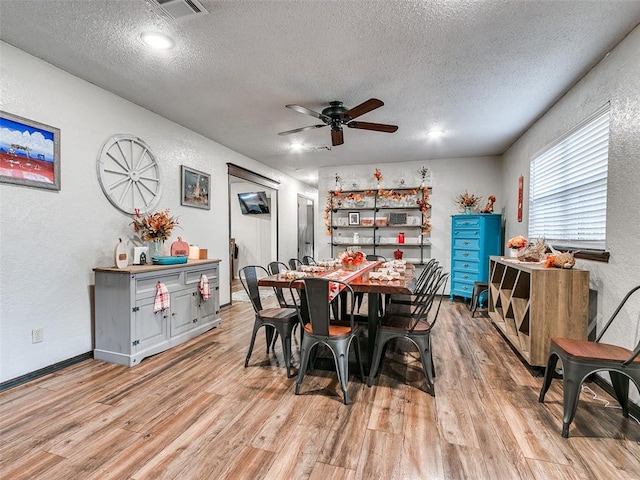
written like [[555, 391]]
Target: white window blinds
[[568, 191]]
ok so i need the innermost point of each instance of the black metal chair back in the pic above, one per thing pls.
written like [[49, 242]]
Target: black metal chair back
[[295, 263], [308, 260]]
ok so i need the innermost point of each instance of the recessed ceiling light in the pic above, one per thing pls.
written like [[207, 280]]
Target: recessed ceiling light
[[157, 40], [435, 133], [296, 147]]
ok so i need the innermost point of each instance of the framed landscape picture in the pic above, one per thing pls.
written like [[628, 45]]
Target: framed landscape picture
[[354, 218], [29, 153], [195, 188]]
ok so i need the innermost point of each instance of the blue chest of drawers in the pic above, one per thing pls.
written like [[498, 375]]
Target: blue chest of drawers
[[474, 238]]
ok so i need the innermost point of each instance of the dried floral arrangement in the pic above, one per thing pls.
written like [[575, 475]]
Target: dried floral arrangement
[[517, 242], [467, 200], [378, 175], [154, 226], [535, 252]]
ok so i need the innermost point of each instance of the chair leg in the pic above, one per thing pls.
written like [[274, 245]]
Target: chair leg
[[427, 366], [305, 350], [269, 333], [256, 326], [358, 356], [620, 385], [548, 375], [571, 388], [378, 350], [286, 350], [341, 356]]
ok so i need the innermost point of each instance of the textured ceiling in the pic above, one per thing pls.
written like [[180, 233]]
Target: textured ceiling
[[482, 71]]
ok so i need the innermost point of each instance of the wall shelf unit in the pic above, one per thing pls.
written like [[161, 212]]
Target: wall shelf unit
[[380, 221], [531, 304]]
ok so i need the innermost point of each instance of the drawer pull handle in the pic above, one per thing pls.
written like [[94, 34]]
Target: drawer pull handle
[[465, 254], [465, 276], [465, 243], [465, 264]]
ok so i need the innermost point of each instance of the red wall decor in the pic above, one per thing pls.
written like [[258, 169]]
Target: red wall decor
[[520, 188]]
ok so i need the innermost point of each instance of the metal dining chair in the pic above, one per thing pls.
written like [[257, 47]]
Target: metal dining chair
[[279, 319], [581, 358], [414, 324], [316, 298], [275, 268]]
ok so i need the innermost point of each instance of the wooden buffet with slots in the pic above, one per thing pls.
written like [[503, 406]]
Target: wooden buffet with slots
[[531, 304], [128, 330]]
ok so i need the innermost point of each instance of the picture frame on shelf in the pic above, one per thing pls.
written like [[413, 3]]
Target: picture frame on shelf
[[195, 188], [397, 219], [354, 218], [29, 152]]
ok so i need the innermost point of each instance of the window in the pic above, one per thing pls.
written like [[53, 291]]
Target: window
[[568, 193]]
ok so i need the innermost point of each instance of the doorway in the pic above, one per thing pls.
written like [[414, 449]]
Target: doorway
[[253, 220], [305, 227]]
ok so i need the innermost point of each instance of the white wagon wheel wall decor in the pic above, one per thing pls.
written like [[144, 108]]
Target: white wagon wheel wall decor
[[129, 174]]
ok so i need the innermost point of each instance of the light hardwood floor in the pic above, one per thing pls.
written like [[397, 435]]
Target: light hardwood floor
[[195, 412]]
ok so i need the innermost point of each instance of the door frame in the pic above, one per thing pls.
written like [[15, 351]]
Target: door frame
[[237, 171]]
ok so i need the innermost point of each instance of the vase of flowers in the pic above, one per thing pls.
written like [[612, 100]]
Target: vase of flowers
[[467, 201], [423, 172], [516, 244], [154, 228], [352, 259]]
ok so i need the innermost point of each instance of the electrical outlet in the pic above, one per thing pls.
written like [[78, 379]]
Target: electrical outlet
[[37, 335]]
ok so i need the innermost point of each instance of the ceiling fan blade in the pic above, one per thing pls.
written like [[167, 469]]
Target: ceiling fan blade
[[378, 127], [307, 111], [364, 107], [337, 138], [302, 129]]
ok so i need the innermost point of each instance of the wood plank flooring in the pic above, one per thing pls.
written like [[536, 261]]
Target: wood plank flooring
[[195, 412]]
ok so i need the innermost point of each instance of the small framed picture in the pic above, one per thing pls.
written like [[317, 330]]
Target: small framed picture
[[195, 188], [354, 218], [29, 152]]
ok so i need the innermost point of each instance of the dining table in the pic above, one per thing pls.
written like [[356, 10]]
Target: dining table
[[361, 281]]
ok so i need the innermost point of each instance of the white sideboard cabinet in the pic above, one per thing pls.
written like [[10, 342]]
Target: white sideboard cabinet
[[127, 330]]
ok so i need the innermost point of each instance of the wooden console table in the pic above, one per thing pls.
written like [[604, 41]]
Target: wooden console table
[[530, 304], [128, 330]]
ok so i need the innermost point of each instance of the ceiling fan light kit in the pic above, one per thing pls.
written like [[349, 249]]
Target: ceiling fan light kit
[[336, 115]]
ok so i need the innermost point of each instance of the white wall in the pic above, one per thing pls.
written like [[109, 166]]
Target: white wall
[[615, 79], [479, 175], [51, 241]]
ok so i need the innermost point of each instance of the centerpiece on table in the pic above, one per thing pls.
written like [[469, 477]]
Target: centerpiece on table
[[154, 228], [352, 260]]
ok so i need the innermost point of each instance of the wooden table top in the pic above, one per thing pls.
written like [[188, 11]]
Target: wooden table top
[[359, 280]]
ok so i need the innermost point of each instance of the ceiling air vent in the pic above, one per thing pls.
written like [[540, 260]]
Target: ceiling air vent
[[177, 9]]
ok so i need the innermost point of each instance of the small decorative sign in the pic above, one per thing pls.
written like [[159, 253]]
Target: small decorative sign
[[397, 218]]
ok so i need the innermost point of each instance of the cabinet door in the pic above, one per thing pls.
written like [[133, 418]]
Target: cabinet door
[[208, 310], [183, 312], [150, 328]]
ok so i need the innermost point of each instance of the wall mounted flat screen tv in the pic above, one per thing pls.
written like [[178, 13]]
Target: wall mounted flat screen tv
[[253, 203]]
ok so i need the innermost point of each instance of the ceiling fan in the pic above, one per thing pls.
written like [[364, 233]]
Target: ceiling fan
[[336, 115]]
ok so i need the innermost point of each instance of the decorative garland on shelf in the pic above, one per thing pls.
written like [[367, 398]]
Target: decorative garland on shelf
[[335, 199]]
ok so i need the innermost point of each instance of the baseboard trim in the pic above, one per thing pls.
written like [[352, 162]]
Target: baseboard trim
[[14, 382]]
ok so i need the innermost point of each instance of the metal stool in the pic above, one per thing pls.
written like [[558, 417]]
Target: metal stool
[[478, 289]]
